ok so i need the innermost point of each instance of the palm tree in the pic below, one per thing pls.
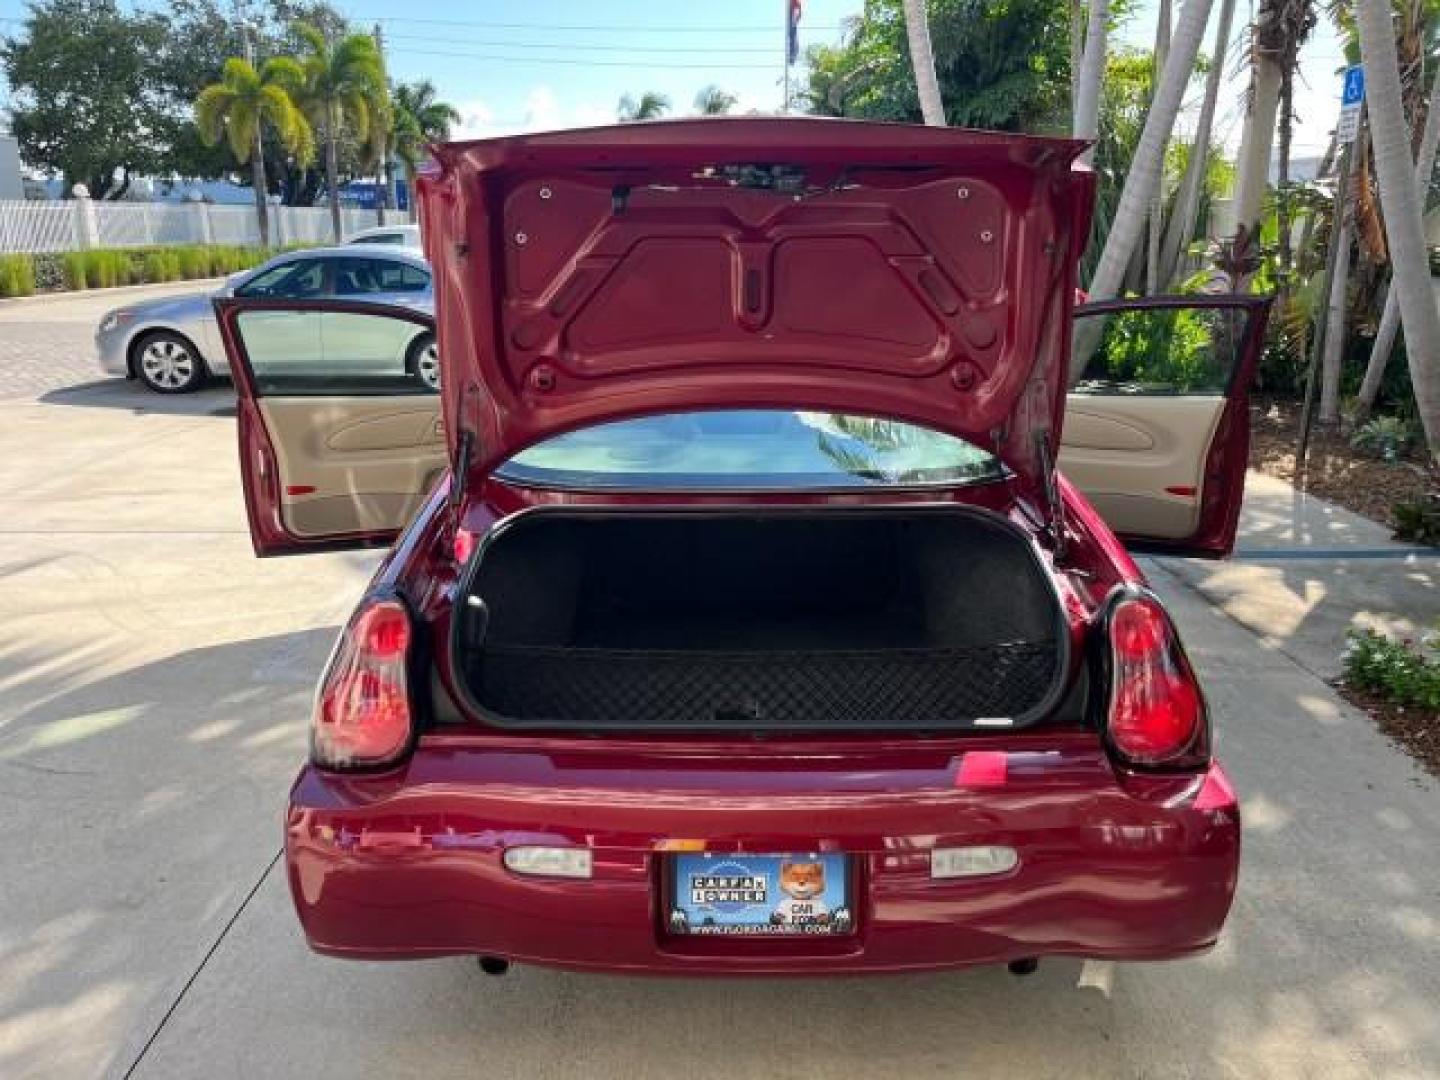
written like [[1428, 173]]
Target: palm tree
[[238, 108], [712, 101], [1076, 15], [1144, 177], [1187, 201], [1399, 198], [1086, 121], [1296, 19], [651, 106], [1342, 229], [1257, 139], [383, 123], [419, 120], [1154, 233], [922, 59], [344, 89], [1390, 319], [1280, 30]]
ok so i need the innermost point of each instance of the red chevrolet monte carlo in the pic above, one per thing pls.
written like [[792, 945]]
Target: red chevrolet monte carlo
[[740, 619]]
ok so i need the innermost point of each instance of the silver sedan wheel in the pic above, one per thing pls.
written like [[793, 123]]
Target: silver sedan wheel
[[427, 365], [167, 365]]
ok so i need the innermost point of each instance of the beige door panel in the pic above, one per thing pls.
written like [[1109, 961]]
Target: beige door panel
[[370, 460], [1124, 451]]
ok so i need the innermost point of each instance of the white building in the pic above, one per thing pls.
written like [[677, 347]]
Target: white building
[[11, 186]]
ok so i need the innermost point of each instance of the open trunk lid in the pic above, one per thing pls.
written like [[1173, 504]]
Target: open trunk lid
[[917, 273]]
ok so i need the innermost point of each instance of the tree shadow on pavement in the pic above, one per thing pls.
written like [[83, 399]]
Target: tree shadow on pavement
[[137, 810]]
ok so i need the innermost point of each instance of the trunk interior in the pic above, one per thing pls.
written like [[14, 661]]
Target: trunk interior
[[760, 621]]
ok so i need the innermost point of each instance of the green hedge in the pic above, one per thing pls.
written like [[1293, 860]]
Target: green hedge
[[105, 268], [17, 275]]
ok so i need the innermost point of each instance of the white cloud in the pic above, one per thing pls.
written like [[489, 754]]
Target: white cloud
[[592, 114], [542, 111], [477, 120]]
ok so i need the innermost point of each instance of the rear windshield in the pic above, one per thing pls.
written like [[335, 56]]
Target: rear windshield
[[750, 449]]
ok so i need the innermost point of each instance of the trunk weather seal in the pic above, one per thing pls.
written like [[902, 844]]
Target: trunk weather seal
[[469, 704]]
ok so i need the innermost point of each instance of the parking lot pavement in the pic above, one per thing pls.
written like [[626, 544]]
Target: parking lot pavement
[[154, 685], [48, 342]]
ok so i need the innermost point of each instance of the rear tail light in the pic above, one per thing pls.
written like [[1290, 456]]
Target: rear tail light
[[362, 711], [1156, 714]]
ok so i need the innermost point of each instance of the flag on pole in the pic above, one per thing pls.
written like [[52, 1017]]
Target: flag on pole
[[792, 33]]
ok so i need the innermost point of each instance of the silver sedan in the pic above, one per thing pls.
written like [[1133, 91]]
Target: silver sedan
[[172, 344]]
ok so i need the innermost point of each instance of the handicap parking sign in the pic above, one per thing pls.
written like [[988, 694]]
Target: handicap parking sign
[[1352, 96], [1354, 91]]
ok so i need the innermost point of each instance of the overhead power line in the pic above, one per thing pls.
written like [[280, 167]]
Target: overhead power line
[[579, 47], [616, 28], [693, 65]]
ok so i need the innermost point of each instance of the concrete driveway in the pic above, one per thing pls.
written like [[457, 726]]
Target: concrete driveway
[[154, 686]]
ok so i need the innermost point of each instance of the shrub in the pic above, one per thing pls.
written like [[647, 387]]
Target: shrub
[[1172, 350], [104, 268], [1399, 671], [136, 260], [73, 266], [116, 267], [194, 262], [1418, 521], [49, 271], [228, 260], [159, 266], [1384, 437], [17, 275]]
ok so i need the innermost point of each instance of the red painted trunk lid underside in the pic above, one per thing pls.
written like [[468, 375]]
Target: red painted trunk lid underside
[[918, 273]]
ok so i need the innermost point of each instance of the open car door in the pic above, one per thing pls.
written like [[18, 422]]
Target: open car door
[[339, 422], [1157, 430]]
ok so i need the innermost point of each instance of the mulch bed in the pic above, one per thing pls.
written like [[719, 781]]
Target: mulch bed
[[1335, 471], [1416, 731]]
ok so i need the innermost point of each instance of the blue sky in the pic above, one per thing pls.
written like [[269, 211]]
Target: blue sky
[[559, 69], [557, 63], [548, 63]]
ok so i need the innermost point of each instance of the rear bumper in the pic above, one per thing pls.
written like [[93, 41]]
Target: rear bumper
[[409, 865]]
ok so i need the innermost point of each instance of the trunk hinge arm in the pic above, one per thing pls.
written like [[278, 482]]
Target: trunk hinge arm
[[1055, 505]]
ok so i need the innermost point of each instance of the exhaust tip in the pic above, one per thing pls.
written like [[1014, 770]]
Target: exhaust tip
[[1028, 966], [494, 965]]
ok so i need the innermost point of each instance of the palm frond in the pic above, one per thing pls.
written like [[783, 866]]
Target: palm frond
[[240, 127], [311, 38], [713, 101], [210, 109], [284, 72], [239, 75], [355, 109], [650, 106]]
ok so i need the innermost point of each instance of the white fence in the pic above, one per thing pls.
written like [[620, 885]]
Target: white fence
[[35, 227]]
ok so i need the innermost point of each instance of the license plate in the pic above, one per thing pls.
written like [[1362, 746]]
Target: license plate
[[746, 895]]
